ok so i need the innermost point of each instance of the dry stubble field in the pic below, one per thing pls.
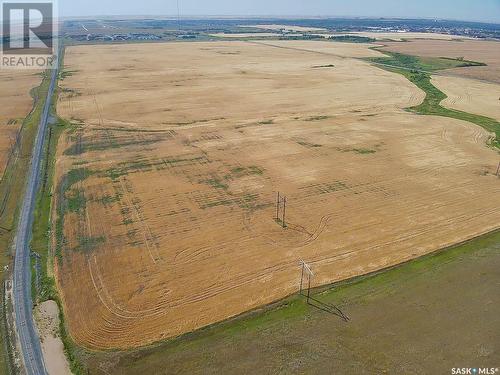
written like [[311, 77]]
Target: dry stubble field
[[15, 104], [178, 151], [470, 95]]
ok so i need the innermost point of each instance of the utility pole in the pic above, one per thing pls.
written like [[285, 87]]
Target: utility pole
[[279, 201], [301, 278], [309, 290], [310, 274], [284, 212], [278, 207]]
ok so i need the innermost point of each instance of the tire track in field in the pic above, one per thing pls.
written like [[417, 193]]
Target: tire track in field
[[147, 235], [252, 276]]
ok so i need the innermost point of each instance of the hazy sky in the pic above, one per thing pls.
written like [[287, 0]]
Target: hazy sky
[[477, 10]]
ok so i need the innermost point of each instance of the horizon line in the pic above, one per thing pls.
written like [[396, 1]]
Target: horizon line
[[284, 17]]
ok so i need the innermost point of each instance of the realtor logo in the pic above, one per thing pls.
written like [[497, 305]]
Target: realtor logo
[[29, 35]]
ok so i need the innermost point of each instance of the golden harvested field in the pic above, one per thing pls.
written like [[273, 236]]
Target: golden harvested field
[[172, 225], [470, 95], [15, 104], [487, 52], [328, 49]]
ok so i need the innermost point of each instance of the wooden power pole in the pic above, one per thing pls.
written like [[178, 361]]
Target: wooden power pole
[[284, 212]]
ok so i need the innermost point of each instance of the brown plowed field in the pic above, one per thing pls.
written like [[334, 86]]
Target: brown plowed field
[[487, 52], [187, 144], [15, 104]]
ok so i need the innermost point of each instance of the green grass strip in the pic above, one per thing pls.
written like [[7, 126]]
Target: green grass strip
[[428, 64]]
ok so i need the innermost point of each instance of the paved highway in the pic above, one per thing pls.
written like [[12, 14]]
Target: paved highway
[[23, 305]]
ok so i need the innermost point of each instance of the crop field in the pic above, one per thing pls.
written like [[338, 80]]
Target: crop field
[[487, 52], [402, 321], [167, 182], [328, 49], [469, 95], [15, 103]]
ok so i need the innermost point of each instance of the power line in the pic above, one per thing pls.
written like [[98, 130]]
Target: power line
[[306, 269], [281, 207]]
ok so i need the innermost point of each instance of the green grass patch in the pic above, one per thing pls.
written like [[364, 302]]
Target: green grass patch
[[308, 144], [266, 122], [465, 63], [250, 202], [362, 151], [66, 73], [240, 172], [145, 165], [217, 203], [108, 200], [70, 199], [247, 201], [332, 187], [317, 118], [323, 66], [428, 64], [81, 146], [216, 183], [88, 244], [76, 201], [77, 175], [127, 221], [352, 39]]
